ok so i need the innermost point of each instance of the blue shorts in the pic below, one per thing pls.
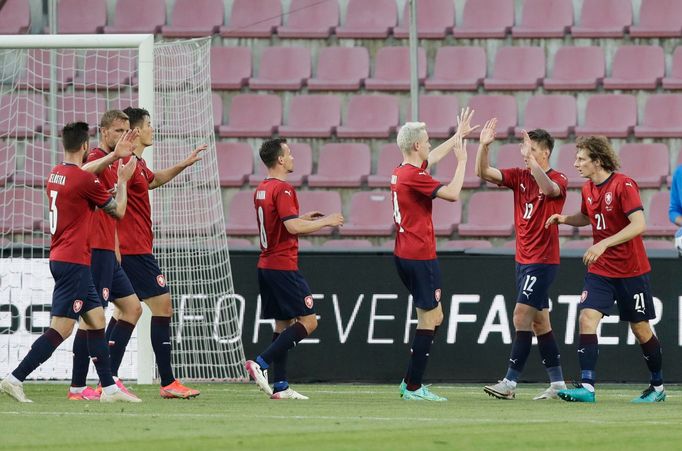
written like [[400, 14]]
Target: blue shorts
[[422, 279], [74, 293], [285, 294], [632, 294], [145, 275], [110, 280], [533, 282]]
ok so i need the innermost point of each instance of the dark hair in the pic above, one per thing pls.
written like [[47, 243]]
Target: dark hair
[[74, 135], [543, 138], [599, 149], [136, 116], [270, 150], [110, 116]]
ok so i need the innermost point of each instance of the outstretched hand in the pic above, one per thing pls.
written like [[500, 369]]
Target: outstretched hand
[[488, 132], [124, 146], [194, 156], [464, 126], [526, 146], [125, 171]]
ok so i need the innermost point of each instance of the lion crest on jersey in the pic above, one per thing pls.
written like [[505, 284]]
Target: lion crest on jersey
[[77, 305], [105, 294], [583, 296], [308, 301], [608, 198], [161, 280], [436, 294]]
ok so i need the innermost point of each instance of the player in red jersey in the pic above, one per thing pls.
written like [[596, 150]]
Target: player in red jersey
[[73, 195], [617, 265], [412, 192], [539, 192], [285, 293]]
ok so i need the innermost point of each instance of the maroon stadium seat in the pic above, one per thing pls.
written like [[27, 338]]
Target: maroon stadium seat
[[565, 161], [659, 244], [253, 19], [445, 169], [217, 103], [485, 19], [235, 162], [38, 163], [636, 67], [490, 213], [80, 106], [365, 19], [310, 19], [517, 68], [347, 243], [647, 164], [658, 18], [435, 19], [241, 215], [577, 68], [370, 116], [458, 68], [313, 116], [612, 115], [544, 19], [661, 117], [340, 69], [282, 68], [7, 162], [21, 115], [240, 243], [81, 16], [15, 17], [195, 18], [583, 244], [134, 16], [571, 206], [658, 223], [555, 113], [446, 216], [390, 157], [230, 67], [253, 115], [326, 202], [22, 210], [509, 156], [106, 71], [674, 81], [37, 72], [439, 113], [503, 107], [342, 165], [303, 165], [603, 19], [464, 244], [371, 213], [392, 69]]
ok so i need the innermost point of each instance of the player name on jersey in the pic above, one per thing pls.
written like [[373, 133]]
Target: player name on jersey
[[59, 179]]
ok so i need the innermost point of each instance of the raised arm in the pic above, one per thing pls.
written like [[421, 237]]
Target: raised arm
[[483, 168], [452, 191], [547, 186], [166, 175], [117, 207], [463, 129], [124, 148]]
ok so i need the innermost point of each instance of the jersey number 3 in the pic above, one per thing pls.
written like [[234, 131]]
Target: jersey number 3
[[53, 211]]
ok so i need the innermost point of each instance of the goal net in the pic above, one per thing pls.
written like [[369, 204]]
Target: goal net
[[47, 81]]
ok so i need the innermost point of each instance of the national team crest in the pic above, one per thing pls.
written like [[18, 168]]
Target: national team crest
[[77, 305], [436, 294], [105, 294], [583, 296], [161, 280], [608, 198], [308, 301]]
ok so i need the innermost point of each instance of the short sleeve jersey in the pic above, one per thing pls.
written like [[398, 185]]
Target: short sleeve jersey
[[135, 228], [534, 243], [103, 225], [412, 192], [276, 202], [608, 206], [72, 196]]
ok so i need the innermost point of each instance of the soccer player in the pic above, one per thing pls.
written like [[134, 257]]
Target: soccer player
[[73, 195], [285, 293], [412, 191], [617, 265], [675, 208], [135, 244], [539, 192]]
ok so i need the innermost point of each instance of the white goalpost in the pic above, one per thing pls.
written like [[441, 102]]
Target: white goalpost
[[48, 80]]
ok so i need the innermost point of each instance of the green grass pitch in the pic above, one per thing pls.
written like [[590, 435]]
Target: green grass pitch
[[340, 417]]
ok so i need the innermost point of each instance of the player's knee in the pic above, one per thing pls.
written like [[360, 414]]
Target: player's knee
[[135, 310], [309, 322], [642, 331], [587, 324]]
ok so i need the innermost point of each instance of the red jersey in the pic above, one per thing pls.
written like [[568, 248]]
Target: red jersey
[[72, 195], [608, 206], [135, 228], [412, 191], [534, 243], [276, 202], [103, 225]]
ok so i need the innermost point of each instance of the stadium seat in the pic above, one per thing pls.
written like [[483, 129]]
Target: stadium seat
[[310, 19], [490, 213], [253, 19], [15, 17], [312, 116], [38, 163], [22, 210], [517, 68], [658, 223], [636, 67], [503, 107], [463, 245], [435, 19], [565, 161], [7, 162], [342, 165], [658, 18], [217, 104], [253, 115], [371, 213], [544, 19], [555, 113], [509, 156], [36, 73], [571, 206], [445, 169], [282, 68], [485, 19], [123, 100], [392, 69], [368, 20], [612, 115], [326, 202], [80, 106], [390, 157], [511, 244], [239, 244], [303, 165], [81, 16], [340, 69], [235, 162], [106, 71], [347, 243], [647, 164], [580, 244], [577, 68], [230, 67], [370, 116], [674, 80], [241, 215], [659, 244], [458, 68], [195, 18], [439, 113], [446, 217], [661, 117], [304, 244], [134, 16], [21, 115], [603, 19]]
